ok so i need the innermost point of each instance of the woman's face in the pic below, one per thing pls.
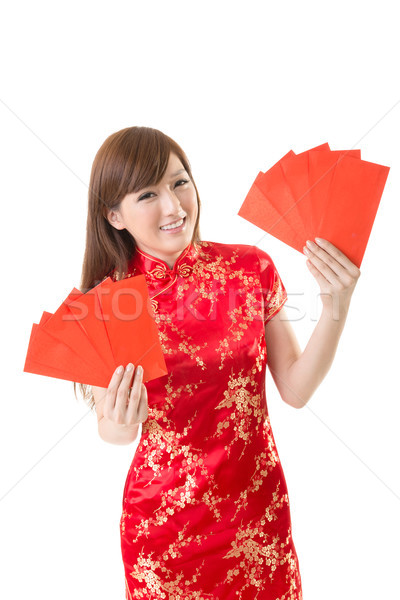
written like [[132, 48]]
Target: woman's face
[[147, 213]]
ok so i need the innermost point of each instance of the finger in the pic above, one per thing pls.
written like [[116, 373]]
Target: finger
[[136, 384], [318, 276], [320, 262], [123, 388], [143, 411], [111, 394], [337, 255], [326, 257], [135, 394]]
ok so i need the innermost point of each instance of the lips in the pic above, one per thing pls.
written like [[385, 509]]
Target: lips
[[173, 225]]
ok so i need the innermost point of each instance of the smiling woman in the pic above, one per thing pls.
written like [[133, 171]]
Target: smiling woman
[[205, 507], [130, 162], [162, 220]]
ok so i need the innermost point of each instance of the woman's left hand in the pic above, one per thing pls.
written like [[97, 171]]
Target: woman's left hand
[[335, 274]]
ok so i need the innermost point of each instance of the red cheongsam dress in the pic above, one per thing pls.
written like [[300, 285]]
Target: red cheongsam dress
[[205, 510]]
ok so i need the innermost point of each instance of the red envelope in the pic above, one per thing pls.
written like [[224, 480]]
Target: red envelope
[[68, 331], [91, 334], [274, 186], [321, 170], [128, 314], [355, 193], [47, 356], [258, 210], [295, 170], [285, 215], [86, 311], [318, 193]]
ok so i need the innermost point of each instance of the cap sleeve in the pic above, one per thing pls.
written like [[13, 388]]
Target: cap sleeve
[[273, 290]]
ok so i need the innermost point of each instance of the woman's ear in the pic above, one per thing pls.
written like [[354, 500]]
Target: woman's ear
[[115, 219]]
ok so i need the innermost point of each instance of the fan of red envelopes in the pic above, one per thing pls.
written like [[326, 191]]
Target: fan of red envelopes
[[322, 193], [91, 334]]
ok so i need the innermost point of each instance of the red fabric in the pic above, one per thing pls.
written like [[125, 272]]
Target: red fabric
[[205, 510]]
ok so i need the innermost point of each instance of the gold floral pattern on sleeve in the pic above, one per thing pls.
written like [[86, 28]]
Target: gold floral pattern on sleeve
[[278, 298]]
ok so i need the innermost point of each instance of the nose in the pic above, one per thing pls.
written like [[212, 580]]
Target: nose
[[170, 203]]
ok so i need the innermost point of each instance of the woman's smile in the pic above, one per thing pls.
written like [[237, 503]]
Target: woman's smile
[[161, 217], [174, 227]]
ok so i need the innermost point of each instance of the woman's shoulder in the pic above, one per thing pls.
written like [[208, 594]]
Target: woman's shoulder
[[246, 254]]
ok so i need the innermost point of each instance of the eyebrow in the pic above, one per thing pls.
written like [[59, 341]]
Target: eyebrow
[[178, 172]]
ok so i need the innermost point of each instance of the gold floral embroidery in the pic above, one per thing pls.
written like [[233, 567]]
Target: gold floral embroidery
[[241, 318], [247, 410], [154, 305], [183, 540], [184, 270], [177, 453], [215, 278], [122, 521], [159, 272], [260, 552], [180, 340], [278, 297], [171, 586], [211, 498], [167, 448], [265, 463], [261, 354], [172, 500], [159, 436]]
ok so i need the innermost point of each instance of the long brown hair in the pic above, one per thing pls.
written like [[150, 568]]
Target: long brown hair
[[128, 161]]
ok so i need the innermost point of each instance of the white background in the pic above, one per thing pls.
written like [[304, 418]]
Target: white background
[[236, 85]]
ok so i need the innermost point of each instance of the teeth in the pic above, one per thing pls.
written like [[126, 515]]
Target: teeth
[[174, 225]]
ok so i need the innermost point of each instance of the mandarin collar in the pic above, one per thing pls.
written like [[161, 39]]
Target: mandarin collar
[[157, 269]]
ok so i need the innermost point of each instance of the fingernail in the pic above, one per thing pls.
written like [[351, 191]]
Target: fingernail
[[129, 367], [120, 369]]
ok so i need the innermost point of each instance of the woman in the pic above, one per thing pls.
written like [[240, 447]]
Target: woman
[[205, 510]]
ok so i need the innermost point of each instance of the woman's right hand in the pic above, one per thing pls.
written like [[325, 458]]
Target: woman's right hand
[[120, 403]]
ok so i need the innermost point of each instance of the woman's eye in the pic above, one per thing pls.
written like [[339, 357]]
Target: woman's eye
[[148, 194], [145, 196]]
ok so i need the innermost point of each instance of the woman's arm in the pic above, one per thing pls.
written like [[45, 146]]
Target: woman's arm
[[298, 374]]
